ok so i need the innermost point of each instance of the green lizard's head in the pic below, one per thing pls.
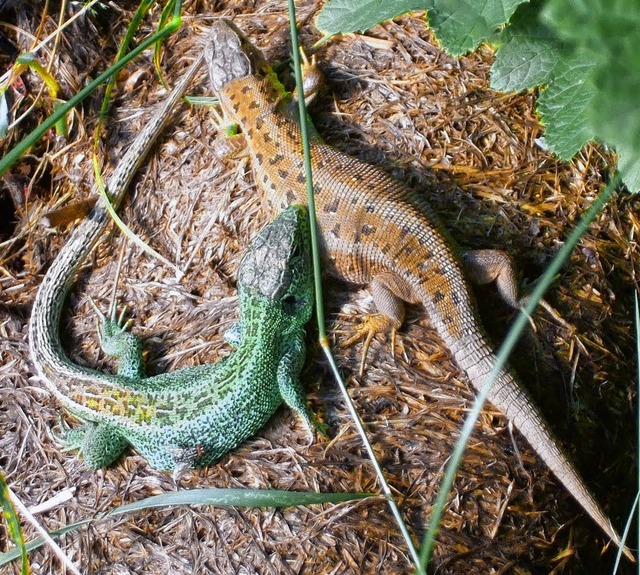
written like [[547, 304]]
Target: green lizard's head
[[278, 265]]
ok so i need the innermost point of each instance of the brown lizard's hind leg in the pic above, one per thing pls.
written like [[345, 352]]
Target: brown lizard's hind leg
[[486, 266], [389, 293]]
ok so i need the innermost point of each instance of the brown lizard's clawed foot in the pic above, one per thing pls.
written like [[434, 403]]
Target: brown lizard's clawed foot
[[312, 78], [232, 146], [371, 325]]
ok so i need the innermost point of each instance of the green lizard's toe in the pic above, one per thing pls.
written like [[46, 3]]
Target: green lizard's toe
[[71, 439]]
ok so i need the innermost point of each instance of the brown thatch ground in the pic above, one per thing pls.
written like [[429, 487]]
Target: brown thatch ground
[[395, 100]]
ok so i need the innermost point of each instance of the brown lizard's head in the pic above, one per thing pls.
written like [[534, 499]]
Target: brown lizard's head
[[230, 55]]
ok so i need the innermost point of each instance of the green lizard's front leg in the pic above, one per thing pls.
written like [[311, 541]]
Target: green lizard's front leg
[[290, 386], [233, 336]]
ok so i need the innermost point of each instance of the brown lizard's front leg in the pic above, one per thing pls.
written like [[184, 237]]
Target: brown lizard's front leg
[[390, 292]]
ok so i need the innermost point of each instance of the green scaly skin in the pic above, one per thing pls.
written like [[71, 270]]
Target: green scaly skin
[[193, 416]]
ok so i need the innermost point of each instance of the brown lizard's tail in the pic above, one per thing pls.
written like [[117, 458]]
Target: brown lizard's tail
[[476, 358]]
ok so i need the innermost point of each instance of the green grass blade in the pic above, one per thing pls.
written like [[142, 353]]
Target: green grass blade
[[126, 230], [13, 525], [21, 147], [157, 53], [139, 15], [501, 358], [317, 274], [627, 526], [251, 498], [306, 152]]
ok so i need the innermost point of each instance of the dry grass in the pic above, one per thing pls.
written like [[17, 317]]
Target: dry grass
[[395, 100]]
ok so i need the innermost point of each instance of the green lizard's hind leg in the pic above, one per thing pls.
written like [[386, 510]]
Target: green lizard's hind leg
[[117, 341], [291, 388], [99, 444]]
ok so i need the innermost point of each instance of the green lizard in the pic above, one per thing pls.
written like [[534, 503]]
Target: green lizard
[[195, 415]]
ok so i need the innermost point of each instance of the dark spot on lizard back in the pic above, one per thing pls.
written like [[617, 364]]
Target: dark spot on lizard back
[[408, 250], [236, 107], [267, 138], [291, 197], [404, 232], [367, 230], [336, 231], [283, 174], [259, 122], [370, 208], [333, 207], [233, 96], [245, 89], [254, 105], [301, 179], [438, 297], [455, 298], [276, 159], [259, 157]]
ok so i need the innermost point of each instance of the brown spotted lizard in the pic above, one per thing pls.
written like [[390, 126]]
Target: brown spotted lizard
[[377, 232]]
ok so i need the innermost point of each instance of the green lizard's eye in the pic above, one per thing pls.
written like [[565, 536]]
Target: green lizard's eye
[[291, 304]]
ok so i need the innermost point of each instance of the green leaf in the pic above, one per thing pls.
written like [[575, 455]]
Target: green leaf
[[344, 16], [609, 33], [528, 52], [629, 166], [240, 498], [564, 106], [461, 25]]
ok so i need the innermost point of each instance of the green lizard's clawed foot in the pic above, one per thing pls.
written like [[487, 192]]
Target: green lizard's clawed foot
[[100, 444], [118, 342]]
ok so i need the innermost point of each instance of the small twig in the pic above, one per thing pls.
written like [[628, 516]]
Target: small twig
[[43, 532]]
